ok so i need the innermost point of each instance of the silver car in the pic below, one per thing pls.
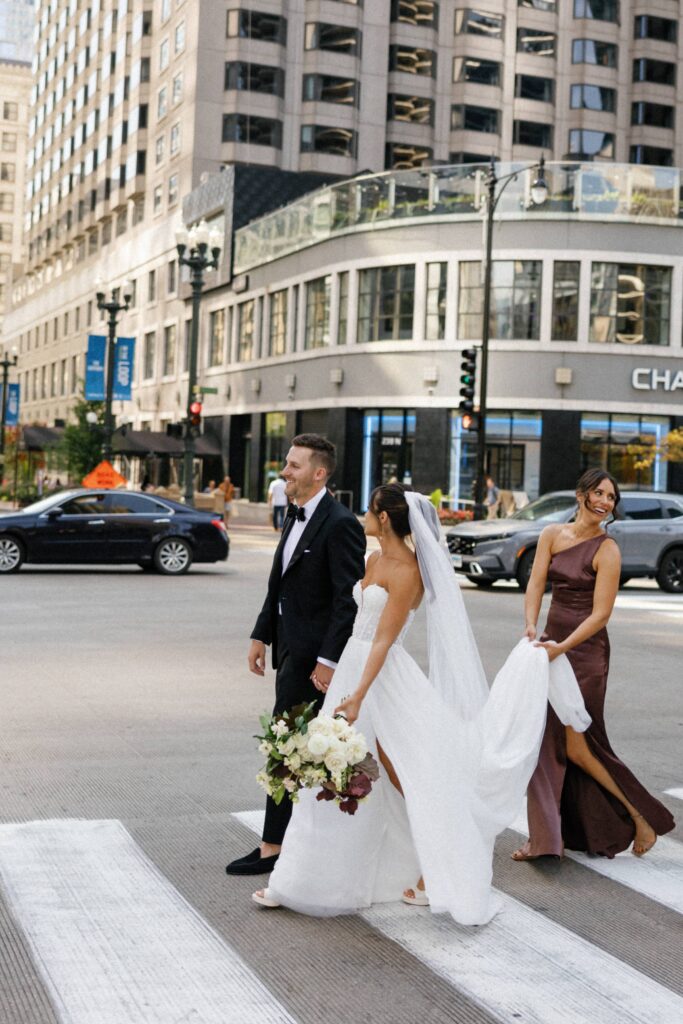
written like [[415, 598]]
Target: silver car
[[649, 531]]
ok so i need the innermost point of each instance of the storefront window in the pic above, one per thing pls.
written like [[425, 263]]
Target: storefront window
[[216, 337], [277, 334], [515, 300], [246, 322], [605, 441], [386, 298], [274, 447], [513, 455], [435, 319], [318, 313], [630, 303], [565, 301], [388, 440]]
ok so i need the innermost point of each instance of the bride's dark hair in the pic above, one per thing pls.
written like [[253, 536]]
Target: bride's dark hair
[[391, 498]]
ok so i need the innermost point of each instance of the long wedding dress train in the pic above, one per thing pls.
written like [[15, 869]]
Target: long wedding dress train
[[463, 779]]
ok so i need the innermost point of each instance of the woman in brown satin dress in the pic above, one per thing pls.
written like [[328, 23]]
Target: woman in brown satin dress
[[581, 795]]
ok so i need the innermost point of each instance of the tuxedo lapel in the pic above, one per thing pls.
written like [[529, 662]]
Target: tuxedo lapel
[[316, 521], [279, 551]]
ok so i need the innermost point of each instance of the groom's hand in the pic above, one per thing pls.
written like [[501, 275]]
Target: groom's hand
[[321, 677], [257, 658]]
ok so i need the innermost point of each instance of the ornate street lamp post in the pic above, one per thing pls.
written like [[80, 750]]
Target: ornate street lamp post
[[539, 194], [196, 243], [112, 308], [6, 362]]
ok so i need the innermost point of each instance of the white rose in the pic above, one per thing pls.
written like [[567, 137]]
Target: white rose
[[357, 749], [288, 747], [318, 744], [335, 762], [280, 727], [300, 741]]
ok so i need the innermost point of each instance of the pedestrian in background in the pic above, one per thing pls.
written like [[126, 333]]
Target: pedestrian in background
[[278, 501], [492, 498], [224, 493]]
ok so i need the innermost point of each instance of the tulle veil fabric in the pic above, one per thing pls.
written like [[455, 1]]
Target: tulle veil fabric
[[463, 755]]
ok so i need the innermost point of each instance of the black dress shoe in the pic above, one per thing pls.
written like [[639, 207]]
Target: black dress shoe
[[247, 859], [252, 865]]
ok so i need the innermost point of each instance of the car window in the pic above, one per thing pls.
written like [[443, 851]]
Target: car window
[[84, 505], [673, 511], [641, 508], [132, 504], [552, 508]]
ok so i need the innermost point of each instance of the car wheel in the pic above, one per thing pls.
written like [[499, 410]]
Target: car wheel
[[524, 567], [670, 573], [173, 556], [11, 554], [479, 582]]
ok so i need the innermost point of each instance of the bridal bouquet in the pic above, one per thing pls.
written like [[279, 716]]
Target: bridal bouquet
[[305, 752]]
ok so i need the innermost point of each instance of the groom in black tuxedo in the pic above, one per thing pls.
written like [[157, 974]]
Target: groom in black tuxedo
[[308, 613]]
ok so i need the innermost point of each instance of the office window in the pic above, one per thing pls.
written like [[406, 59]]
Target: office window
[[406, 156], [475, 119], [316, 138], [246, 77], [660, 72], [585, 144], [177, 89], [565, 326], [9, 142], [159, 149], [654, 155], [515, 300], [532, 133], [174, 141], [535, 40], [151, 286], [533, 87], [386, 298], [343, 311], [659, 115], [597, 10], [317, 325], [162, 103], [538, 5], [277, 332], [246, 326], [329, 89], [148, 356], [420, 13], [157, 200], [594, 51], [412, 60], [216, 337], [173, 189], [164, 54], [8, 172], [474, 69], [414, 109], [435, 315], [630, 303], [269, 28], [593, 97], [179, 39], [646, 27], [335, 38], [171, 278], [608, 440], [10, 111], [169, 350], [257, 131], [479, 23]]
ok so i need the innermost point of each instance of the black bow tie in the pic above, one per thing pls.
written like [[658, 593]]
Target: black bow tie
[[295, 512]]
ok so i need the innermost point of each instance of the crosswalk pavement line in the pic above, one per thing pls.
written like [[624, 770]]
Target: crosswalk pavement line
[[669, 606], [523, 966], [677, 793], [658, 875], [114, 941]]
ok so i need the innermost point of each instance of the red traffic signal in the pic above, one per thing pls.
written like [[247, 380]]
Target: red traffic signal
[[195, 414], [470, 421]]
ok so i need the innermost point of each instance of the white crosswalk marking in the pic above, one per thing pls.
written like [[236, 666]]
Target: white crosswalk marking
[[114, 941], [523, 965], [670, 606], [677, 793]]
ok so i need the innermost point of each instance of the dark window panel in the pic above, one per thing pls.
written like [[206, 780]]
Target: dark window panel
[[328, 89], [317, 138], [475, 119], [593, 97], [565, 325], [658, 115], [630, 303], [254, 78], [660, 72], [269, 28], [594, 51], [475, 69], [585, 144], [336, 38], [538, 41], [646, 27], [538, 5], [469, 158], [597, 10], [655, 155], [257, 131], [533, 87], [479, 23], [532, 133]]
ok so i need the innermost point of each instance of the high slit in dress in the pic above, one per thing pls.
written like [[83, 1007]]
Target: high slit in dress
[[566, 807]]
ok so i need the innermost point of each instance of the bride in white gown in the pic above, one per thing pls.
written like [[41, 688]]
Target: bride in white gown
[[455, 758]]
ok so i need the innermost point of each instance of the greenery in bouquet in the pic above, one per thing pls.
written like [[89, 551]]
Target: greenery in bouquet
[[306, 752]]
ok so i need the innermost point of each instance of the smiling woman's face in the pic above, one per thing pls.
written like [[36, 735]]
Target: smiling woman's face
[[599, 502]]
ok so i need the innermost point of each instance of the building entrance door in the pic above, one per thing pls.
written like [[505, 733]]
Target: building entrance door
[[388, 440]]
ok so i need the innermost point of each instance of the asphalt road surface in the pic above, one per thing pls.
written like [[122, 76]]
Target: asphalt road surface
[[127, 783]]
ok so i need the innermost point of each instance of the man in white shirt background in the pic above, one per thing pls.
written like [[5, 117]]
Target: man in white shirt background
[[278, 501]]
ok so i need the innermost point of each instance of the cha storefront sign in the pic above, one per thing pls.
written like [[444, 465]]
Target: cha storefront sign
[[649, 378]]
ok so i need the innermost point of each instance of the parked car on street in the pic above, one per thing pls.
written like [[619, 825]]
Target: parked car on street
[[111, 527], [648, 530]]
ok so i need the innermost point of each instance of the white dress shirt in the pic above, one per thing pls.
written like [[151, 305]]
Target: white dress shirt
[[294, 536]]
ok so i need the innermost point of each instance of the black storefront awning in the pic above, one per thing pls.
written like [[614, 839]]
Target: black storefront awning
[[37, 439], [155, 442]]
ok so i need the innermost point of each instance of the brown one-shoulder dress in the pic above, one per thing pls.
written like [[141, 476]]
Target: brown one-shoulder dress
[[566, 807]]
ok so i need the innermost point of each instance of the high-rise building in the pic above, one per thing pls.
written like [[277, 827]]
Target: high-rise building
[[15, 87], [17, 19]]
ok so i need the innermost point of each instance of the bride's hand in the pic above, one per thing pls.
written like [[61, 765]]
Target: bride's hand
[[551, 647], [530, 632], [350, 708]]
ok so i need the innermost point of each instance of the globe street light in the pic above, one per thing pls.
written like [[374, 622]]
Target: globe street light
[[112, 309], [196, 243], [539, 194], [5, 363]]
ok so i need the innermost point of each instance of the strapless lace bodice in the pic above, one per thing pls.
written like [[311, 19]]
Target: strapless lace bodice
[[371, 602]]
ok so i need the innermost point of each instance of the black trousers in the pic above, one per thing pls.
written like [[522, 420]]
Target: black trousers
[[292, 686]]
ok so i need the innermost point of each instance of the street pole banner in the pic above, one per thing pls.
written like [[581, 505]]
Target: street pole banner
[[12, 406], [123, 368], [94, 368]]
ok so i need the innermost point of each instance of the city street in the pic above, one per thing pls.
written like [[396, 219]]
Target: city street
[[127, 716]]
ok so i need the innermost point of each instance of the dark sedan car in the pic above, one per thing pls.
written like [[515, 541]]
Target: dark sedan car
[[111, 527]]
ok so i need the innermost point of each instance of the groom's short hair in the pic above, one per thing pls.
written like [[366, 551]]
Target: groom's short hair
[[323, 451]]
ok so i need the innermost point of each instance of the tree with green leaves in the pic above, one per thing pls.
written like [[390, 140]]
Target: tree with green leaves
[[82, 441]]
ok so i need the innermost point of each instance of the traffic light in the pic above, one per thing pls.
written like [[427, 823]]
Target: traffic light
[[195, 416], [470, 421], [468, 372]]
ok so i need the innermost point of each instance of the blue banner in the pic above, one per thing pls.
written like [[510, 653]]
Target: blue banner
[[94, 368], [123, 368], [12, 406]]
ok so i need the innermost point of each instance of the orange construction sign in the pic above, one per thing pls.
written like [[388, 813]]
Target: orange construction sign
[[104, 477]]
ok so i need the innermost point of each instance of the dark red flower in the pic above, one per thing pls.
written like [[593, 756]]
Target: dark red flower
[[359, 785], [349, 806]]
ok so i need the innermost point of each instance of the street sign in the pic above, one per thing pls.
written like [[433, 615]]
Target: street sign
[[104, 476], [209, 391]]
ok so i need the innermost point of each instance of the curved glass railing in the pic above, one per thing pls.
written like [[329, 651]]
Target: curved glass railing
[[575, 190]]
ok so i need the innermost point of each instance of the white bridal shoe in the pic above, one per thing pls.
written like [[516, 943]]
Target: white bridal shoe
[[263, 899]]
